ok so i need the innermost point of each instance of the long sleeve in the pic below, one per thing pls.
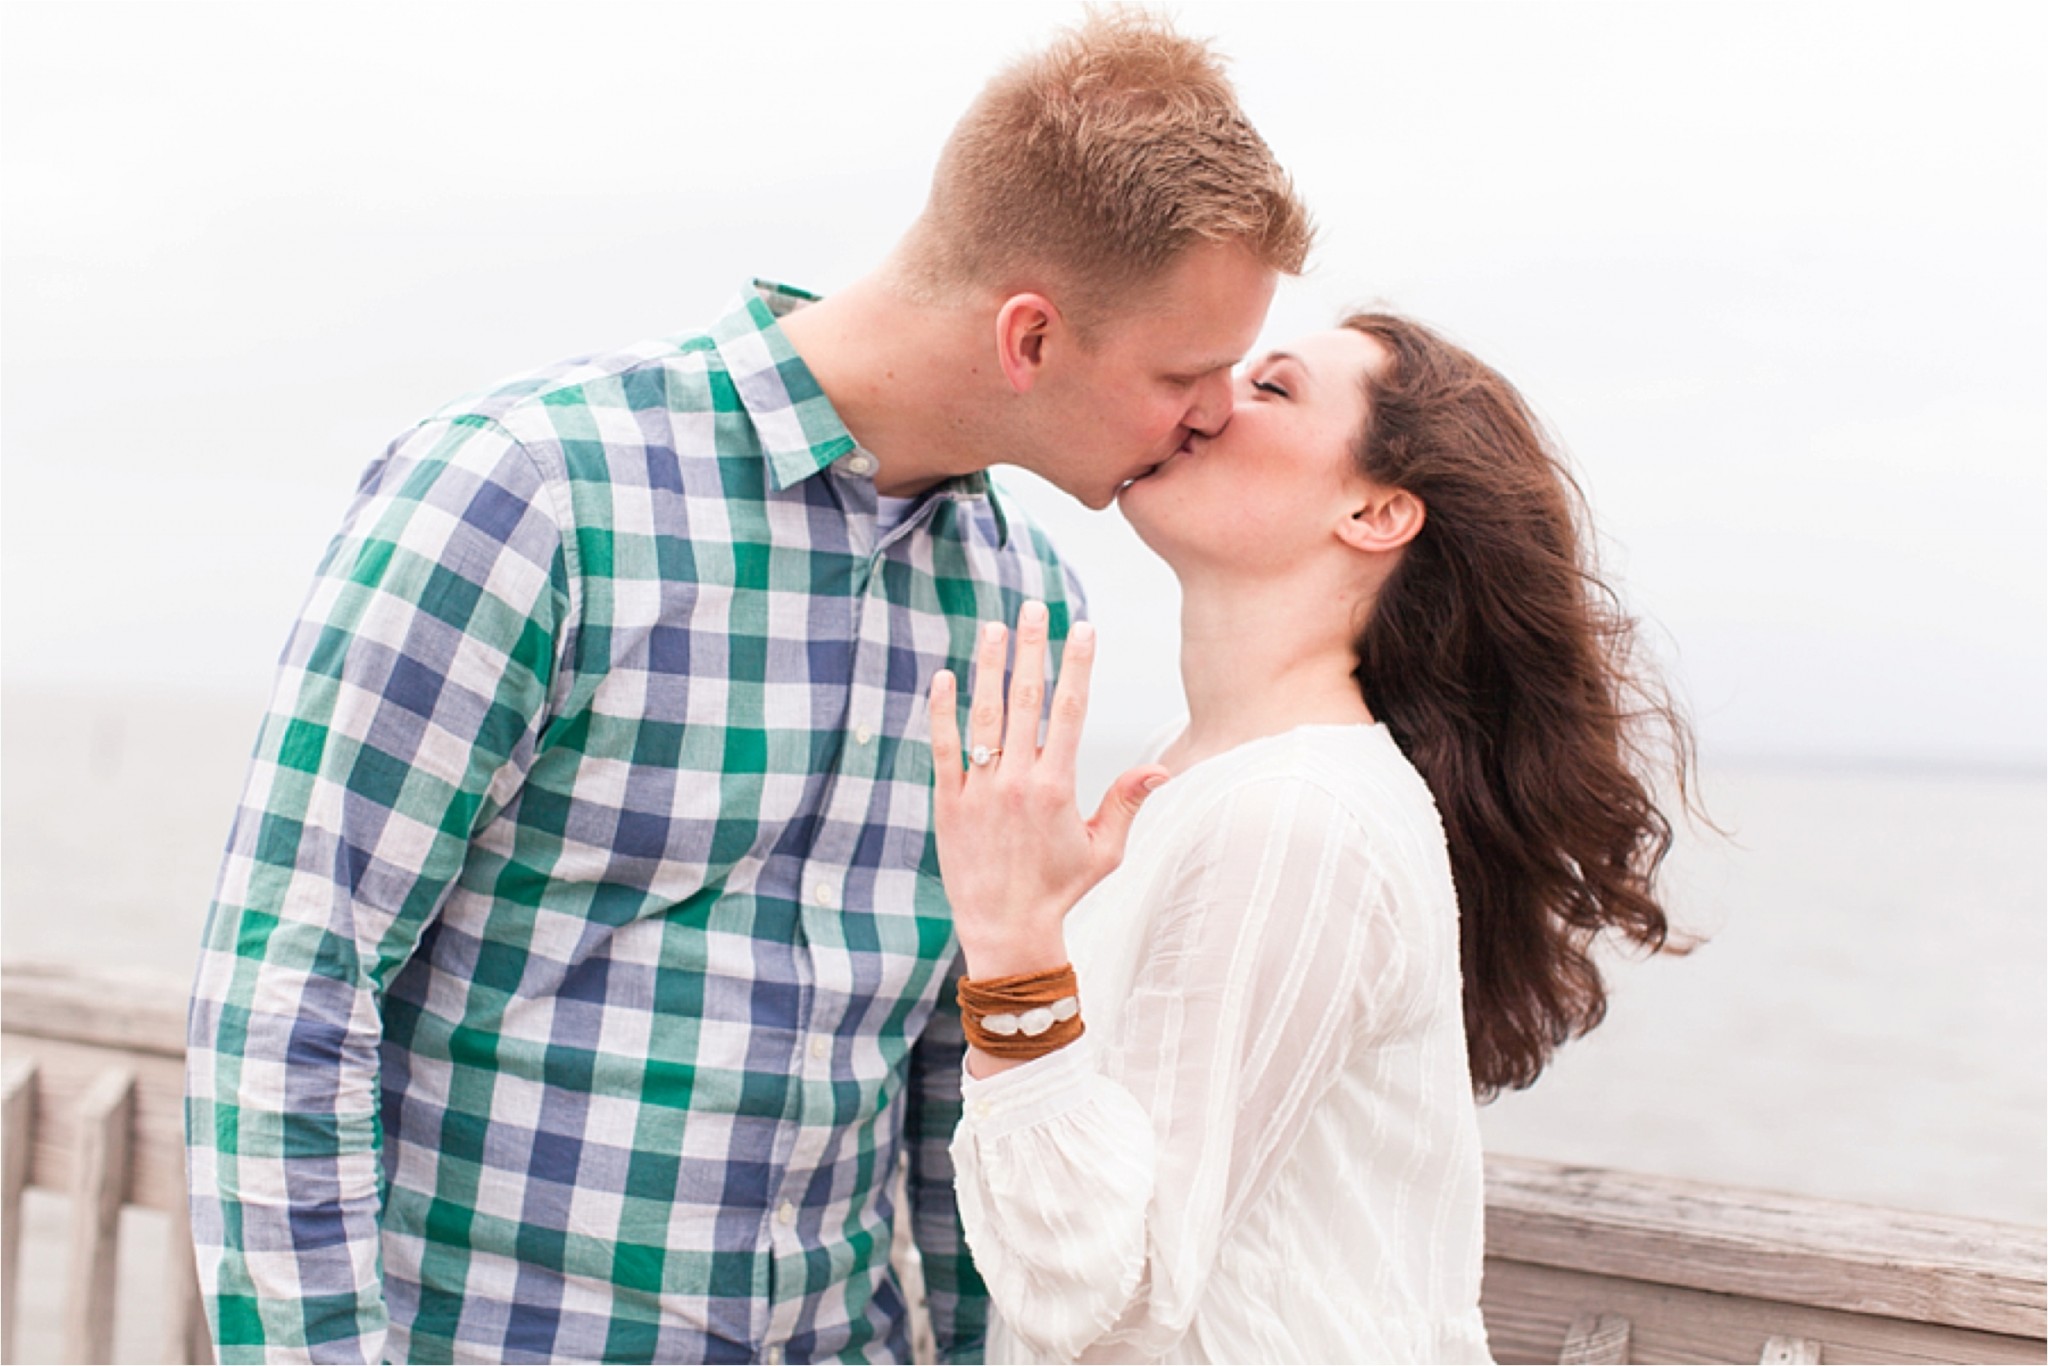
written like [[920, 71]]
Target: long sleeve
[[406, 711], [1096, 1183], [954, 1292]]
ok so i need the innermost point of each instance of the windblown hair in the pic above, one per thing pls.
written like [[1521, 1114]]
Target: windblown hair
[[1098, 161], [1508, 673]]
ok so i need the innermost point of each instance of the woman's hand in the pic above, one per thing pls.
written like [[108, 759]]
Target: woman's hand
[[1013, 848]]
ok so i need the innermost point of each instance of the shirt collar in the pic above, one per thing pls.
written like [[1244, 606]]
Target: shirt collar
[[800, 432]]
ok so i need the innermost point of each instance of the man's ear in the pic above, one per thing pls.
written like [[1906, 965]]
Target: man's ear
[[1385, 519], [1023, 325]]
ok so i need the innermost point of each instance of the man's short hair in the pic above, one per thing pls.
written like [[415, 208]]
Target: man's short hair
[[1096, 162]]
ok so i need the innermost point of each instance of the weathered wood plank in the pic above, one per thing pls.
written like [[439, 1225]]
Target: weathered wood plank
[[1855, 1258], [18, 1143], [1790, 1352], [1529, 1311], [140, 1012], [185, 1337], [1596, 1340], [65, 1071], [99, 1187]]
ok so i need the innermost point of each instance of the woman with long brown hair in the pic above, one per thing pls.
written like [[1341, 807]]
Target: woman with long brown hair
[[1225, 1056]]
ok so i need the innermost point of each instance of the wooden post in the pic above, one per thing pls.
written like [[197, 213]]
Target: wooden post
[[1596, 1338], [185, 1339], [909, 1264], [99, 1187], [18, 1139]]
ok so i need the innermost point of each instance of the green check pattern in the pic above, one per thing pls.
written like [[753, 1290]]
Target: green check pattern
[[579, 966]]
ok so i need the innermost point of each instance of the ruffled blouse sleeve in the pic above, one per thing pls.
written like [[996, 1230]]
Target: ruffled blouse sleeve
[[1095, 1183]]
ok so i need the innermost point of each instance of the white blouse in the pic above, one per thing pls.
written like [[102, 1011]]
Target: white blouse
[[1265, 1148]]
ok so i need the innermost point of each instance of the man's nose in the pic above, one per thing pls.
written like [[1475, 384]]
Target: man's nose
[[1210, 412]]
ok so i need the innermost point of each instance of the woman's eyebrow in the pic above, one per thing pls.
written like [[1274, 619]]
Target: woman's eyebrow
[[1272, 356]]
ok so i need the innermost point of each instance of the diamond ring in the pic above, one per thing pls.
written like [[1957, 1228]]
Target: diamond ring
[[981, 756]]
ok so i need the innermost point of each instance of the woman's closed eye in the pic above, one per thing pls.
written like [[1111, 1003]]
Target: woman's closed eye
[[1267, 386]]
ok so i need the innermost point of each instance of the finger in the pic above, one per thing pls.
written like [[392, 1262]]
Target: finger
[[1111, 826], [1070, 698], [985, 716], [1027, 685], [946, 775]]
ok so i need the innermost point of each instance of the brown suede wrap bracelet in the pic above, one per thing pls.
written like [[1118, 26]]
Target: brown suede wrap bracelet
[[1021, 1017]]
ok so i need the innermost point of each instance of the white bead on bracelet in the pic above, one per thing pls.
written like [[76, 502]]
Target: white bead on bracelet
[[1035, 1021]]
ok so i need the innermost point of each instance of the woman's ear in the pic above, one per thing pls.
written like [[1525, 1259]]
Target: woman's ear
[[1386, 519], [1023, 325]]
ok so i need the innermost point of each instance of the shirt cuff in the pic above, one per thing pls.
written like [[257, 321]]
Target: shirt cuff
[[1034, 1093]]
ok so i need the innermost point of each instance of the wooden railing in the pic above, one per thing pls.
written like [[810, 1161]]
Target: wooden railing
[[1583, 1265], [95, 1100], [1592, 1265]]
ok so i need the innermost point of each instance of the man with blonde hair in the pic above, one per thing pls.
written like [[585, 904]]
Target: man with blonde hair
[[579, 966]]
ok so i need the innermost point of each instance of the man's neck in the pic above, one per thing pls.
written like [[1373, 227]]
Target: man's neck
[[901, 375]]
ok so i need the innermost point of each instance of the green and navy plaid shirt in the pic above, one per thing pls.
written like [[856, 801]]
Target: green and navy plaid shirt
[[578, 967]]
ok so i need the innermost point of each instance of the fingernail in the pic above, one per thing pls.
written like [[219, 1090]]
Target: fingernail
[[1083, 630], [992, 632], [1155, 782], [1033, 611]]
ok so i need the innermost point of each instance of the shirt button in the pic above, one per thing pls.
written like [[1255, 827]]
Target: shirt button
[[858, 463], [773, 1356], [820, 1046], [825, 896], [785, 1214], [862, 735]]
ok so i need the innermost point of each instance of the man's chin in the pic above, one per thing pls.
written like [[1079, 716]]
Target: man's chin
[[1144, 476], [1117, 494], [1133, 491]]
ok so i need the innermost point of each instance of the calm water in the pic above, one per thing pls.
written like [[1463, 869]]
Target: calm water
[[1868, 1020]]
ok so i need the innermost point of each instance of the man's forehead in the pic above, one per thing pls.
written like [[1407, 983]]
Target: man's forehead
[[1189, 342], [1183, 350]]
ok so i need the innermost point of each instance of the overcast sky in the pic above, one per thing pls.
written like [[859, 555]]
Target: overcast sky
[[1777, 275]]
